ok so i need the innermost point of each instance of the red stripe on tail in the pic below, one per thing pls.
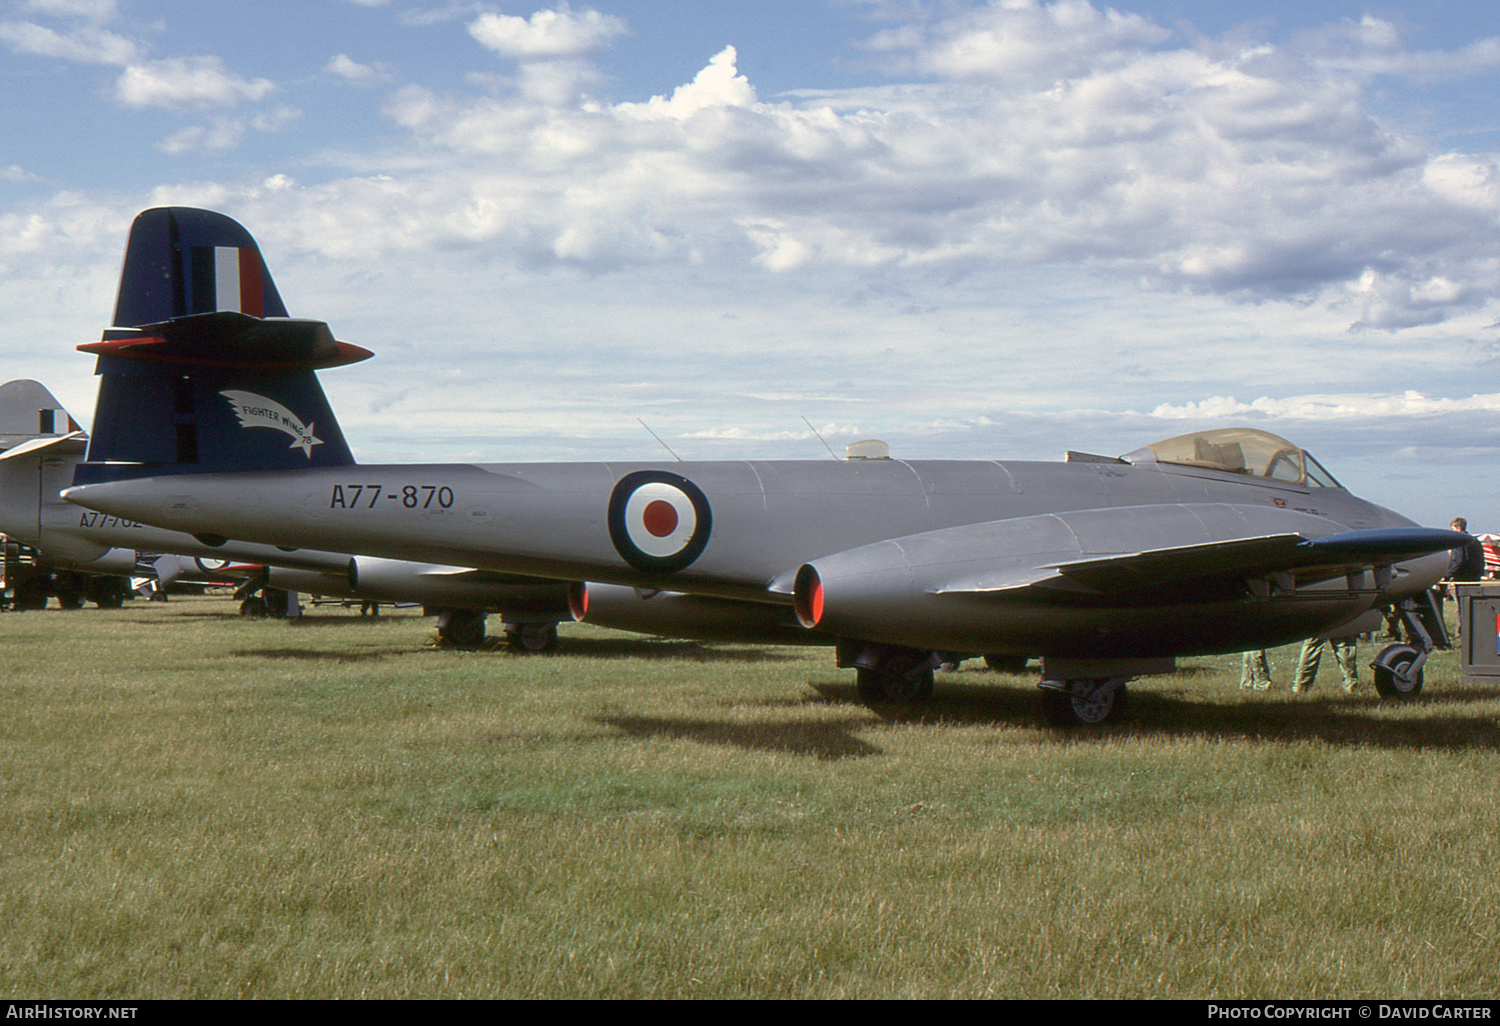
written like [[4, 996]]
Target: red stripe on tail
[[252, 288]]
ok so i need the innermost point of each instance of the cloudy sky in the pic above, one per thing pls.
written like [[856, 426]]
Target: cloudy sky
[[973, 229]]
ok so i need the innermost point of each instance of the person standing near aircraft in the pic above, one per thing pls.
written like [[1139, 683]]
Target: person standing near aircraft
[[1255, 671], [1344, 650], [1465, 564]]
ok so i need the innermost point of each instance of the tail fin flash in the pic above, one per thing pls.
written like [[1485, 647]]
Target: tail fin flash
[[203, 371], [183, 261], [30, 413]]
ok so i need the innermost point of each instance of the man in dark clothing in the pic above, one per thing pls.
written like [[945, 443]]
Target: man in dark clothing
[[1465, 563]]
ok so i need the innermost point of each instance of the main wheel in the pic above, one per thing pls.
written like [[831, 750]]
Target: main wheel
[[1085, 703], [461, 628], [878, 687], [1005, 663], [533, 637], [1393, 674]]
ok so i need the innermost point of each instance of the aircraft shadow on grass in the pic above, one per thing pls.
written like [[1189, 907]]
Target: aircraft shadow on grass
[[1333, 718], [823, 740], [312, 655], [686, 651]]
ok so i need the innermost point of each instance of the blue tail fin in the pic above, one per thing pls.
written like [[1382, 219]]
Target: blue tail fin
[[203, 371]]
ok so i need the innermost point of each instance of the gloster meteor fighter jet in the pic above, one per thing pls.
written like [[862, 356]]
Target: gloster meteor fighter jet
[[211, 420]]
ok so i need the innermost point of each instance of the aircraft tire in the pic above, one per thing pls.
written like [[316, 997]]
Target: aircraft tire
[[253, 607], [1065, 709], [69, 600], [461, 628], [1391, 667], [533, 637], [1005, 663], [877, 688]]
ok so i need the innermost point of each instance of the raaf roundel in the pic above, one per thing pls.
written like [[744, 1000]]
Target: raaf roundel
[[659, 521]]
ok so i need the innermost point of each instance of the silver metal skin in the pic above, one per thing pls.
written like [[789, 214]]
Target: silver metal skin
[[762, 521]]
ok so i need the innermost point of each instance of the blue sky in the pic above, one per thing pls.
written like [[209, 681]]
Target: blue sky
[[972, 229]]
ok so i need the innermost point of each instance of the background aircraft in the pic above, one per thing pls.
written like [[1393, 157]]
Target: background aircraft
[[79, 553], [1108, 567]]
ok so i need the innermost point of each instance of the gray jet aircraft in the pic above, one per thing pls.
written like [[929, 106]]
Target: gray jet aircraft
[[1108, 568]]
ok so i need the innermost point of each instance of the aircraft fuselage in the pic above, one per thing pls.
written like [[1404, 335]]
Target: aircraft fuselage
[[742, 529]]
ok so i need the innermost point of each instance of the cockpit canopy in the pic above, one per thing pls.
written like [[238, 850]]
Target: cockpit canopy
[[1239, 451]]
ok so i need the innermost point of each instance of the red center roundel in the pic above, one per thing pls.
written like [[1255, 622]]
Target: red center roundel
[[659, 518], [659, 521]]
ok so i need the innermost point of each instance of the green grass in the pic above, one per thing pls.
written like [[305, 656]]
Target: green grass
[[193, 805]]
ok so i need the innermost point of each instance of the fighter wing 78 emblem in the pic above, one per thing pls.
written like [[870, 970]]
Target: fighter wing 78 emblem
[[256, 411]]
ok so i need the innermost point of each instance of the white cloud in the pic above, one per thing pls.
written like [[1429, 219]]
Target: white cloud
[[1248, 173], [94, 10], [1304, 408], [350, 70], [222, 134], [546, 35], [718, 85], [186, 83], [1373, 46], [1050, 227], [1019, 40], [85, 44]]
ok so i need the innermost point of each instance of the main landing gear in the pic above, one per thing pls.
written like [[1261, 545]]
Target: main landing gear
[[1074, 692], [1076, 703], [465, 628], [889, 674]]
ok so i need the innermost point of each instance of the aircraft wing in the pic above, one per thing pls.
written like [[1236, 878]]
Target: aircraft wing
[[1307, 560], [1071, 579]]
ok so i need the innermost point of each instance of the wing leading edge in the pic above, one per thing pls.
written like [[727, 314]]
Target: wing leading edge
[[1308, 560]]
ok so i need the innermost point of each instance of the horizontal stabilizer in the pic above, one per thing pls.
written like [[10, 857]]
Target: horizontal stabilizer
[[75, 444], [228, 339]]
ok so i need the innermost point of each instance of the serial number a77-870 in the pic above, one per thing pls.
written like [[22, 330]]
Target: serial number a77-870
[[369, 496]]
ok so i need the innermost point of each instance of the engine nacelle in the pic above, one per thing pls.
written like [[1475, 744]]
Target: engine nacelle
[[671, 614], [451, 587], [995, 587]]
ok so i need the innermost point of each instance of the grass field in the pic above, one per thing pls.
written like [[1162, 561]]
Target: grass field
[[200, 806]]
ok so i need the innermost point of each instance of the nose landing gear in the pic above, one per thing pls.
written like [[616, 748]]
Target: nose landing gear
[[1398, 668]]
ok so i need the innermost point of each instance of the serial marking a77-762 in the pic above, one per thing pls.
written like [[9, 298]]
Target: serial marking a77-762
[[1106, 567]]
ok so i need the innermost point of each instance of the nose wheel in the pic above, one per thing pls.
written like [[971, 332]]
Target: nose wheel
[[1398, 671], [1398, 668]]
